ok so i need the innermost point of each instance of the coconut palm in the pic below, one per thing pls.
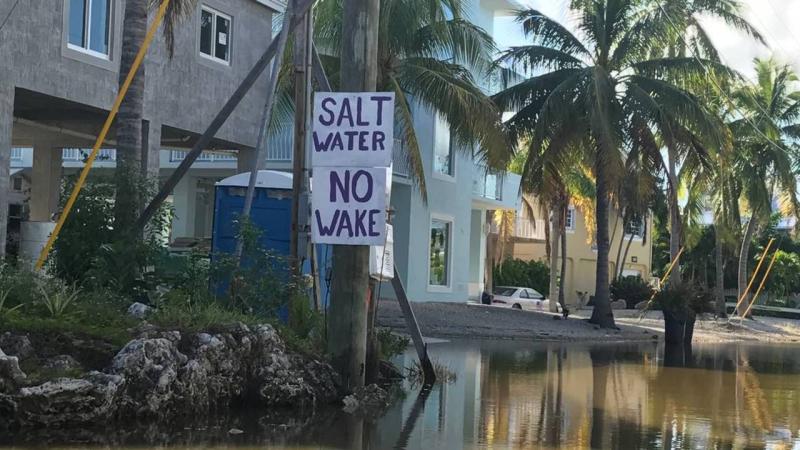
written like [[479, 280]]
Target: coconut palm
[[765, 129], [129, 178], [690, 38], [429, 55], [604, 93]]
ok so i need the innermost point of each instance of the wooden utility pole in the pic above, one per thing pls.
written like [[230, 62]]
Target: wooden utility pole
[[301, 62], [347, 321]]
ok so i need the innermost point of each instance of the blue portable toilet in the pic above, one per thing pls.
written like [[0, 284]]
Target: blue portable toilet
[[271, 213]]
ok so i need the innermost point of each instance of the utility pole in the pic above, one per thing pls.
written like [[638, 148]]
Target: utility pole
[[301, 63], [347, 320]]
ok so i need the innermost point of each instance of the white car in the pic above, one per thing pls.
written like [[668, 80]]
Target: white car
[[521, 298]]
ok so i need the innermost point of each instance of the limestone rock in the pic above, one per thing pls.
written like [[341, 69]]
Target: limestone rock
[[62, 363], [619, 304], [18, 345], [139, 310], [67, 401], [368, 400], [11, 376]]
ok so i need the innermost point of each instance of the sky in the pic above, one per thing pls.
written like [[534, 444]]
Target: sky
[[773, 18]]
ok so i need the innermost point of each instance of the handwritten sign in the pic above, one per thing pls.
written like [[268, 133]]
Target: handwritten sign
[[353, 129], [349, 205]]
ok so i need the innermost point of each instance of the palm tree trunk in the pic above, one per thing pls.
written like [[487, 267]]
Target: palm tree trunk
[[744, 256], [563, 233], [674, 217], [554, 233], [602, 314], [547, 249], [617, 266], [129, 199], [719, 272], [625, 257]]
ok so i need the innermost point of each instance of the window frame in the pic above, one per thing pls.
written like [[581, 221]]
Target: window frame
[[639, 234], [442, 125], [87, 20], [448, 287], [214, 14], [570, 227]]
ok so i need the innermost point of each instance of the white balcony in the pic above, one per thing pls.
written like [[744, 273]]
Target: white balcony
[[530, 229], [81, 154], [487, 185], [180, 155]]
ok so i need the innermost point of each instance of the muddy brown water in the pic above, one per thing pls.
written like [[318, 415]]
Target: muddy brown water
[[523, 395]]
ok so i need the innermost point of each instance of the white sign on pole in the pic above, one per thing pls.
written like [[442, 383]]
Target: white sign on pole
[[381, 258], [349, 206], [353, 129]]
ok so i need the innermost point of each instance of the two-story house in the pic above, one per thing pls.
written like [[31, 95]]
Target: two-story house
[[631, 242], [60, 74]]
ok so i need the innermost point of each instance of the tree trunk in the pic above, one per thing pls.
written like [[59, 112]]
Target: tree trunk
[[744, 256], [554, 234], [547, 249], [625, 257], [617, 265], [674, 217], [602, 314], [129, 184], [347, 316], [563, 233], [719, 272]]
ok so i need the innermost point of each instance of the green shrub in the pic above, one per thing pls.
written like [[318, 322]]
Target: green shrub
[[177, 311], [683, 298], [632, 289], [529, 274], [391, 344], [57, 297]]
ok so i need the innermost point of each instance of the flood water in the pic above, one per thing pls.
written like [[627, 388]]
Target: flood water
[[523, 395]]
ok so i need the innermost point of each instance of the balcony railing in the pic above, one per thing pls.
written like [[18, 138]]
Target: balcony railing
[[80, 154], [281, 146], [488, 185], [530, 229], [179, 155]]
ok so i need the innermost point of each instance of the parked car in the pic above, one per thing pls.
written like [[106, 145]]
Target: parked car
[[521, 298]]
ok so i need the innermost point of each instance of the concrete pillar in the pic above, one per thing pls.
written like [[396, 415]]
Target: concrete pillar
[[245, 160], [45, 182], [184, 197], [151, 149], [6, 125]]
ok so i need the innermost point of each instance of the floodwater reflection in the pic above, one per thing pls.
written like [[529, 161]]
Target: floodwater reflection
[[523, 395]]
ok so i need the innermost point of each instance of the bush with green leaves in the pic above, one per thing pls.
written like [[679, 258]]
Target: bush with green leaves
[[529, 274], [684, 298], [632, 289]]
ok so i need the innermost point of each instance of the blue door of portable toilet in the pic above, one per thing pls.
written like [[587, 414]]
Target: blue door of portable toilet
[[271, 214]]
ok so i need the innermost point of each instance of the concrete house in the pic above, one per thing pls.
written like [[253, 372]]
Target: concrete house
[[60, 73], [440, 247], [529, 244]]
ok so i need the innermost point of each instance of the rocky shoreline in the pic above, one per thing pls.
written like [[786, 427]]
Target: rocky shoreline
[[161, 375]]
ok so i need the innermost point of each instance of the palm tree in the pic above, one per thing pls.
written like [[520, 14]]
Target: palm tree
[[765, 131], [431, 56], [690, 38], [130, 181], [604, 93]]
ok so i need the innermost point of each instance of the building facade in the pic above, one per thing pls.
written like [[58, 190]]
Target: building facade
[[60, 75], [529, 244]]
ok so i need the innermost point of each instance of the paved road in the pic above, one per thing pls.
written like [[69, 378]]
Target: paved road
[[461, 320]]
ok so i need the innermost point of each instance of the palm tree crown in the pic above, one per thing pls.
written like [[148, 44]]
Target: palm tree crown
[[606, 93]]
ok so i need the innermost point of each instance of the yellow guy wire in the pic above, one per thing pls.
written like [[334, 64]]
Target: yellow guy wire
[[663, 279], [753, 278], [102, 136], [760, 286]]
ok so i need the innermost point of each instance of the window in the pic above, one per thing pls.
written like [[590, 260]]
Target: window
[[439, 263], [215, 35], [635, 227], [532, 293], [569, 223], [443, 150], [90, 26], [523, 293]]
